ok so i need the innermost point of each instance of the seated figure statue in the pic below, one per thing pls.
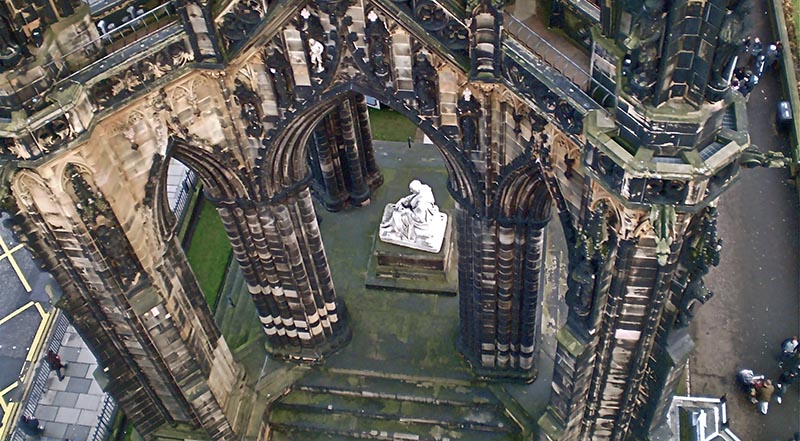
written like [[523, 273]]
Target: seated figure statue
[[414, 221]]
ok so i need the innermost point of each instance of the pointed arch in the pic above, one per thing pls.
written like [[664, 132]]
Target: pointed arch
[[283, 160], [523, 197]]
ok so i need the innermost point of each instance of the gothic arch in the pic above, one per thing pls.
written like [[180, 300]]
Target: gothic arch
[[523, 197], [284, 165]]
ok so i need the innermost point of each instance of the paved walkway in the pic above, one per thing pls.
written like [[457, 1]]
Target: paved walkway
[[756, 285], [74, 408]]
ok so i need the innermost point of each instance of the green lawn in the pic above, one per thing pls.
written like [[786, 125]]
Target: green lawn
[[209, 251], [388, 125], [795, 17]]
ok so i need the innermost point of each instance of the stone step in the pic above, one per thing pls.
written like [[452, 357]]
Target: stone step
[[473, 417], [366, 405], [277, 435], [291, 420], [435, 391]]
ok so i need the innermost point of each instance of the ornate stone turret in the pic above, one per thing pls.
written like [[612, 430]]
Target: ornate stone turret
[[265, 102], [485, 42], [659, 161]]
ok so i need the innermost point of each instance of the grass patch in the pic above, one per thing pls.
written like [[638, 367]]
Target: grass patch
[[209, 251], [128, 431], [686, 425], [388, 125]]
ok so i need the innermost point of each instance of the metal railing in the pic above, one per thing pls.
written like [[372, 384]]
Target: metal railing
[[187, 187], [105, 419], [42, 373], [57, 71], [555, 58], [546, 51]]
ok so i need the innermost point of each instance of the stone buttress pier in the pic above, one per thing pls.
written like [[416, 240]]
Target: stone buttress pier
[[265, 101]]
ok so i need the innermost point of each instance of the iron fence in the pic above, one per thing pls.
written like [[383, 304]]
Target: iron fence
[[37, 386], [184, 196], [555, 58], [105, 419]]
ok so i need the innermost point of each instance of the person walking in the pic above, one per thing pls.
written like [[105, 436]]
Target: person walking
[[784, 381], [764, 395], [790, 345], [54, 362], [30, 426]]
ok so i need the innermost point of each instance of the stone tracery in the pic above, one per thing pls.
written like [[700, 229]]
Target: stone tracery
[[310, 80]]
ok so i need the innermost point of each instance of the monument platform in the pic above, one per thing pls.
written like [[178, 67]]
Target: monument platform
[[395, 267]]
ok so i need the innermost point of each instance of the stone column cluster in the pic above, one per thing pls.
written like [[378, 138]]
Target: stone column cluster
[[500, 268], [342, 156], [279, 249]]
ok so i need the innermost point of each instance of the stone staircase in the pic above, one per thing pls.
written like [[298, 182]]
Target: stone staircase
[[340, 405]]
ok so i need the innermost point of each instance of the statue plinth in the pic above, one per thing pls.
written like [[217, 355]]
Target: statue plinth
[[398, 267], [428, 237]]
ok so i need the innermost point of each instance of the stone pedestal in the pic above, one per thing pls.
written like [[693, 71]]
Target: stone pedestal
[[401, 268]]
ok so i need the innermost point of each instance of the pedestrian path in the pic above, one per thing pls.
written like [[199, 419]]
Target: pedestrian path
[[75, 408]]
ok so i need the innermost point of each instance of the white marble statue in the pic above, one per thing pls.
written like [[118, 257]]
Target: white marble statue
[[414, 221], [316, 50]]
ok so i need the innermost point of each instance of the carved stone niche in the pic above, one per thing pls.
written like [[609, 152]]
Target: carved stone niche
[[425, 87], [280, 71], [468, 111], [378, 42], [239, 23]]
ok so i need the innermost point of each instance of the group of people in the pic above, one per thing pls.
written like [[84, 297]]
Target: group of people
[[761, 58], [761, 389]]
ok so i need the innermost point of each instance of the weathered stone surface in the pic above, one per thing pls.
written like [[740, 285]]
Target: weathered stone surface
[[274, 107]]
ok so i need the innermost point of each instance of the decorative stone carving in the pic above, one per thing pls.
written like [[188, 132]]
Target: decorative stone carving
[[586, 258], [15, 148], [440, 25], [455, 35], [733, 31], [662, 218], [311, 26], [430, 15], [99, 219], [425, 84], [334, 8], [315, 51], [468, 111], [280, 70], [250, 104], [414, 221], [645, 43], [538, 122], [241, 21], [122, 85], [568, 118], [378, 40], [703, 252], [11, 49], [53, 133]]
